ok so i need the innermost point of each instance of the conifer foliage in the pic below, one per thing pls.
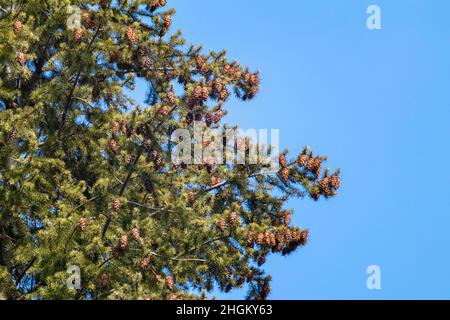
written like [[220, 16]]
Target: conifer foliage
[[86, 177]]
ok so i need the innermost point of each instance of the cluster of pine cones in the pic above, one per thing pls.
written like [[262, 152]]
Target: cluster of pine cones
[[251, 82], [285, 173], [155, 4], [198, 96], [310, 163], [220, 90], [328, 184], [232, 71], [21, 57], [285, 240], [232, 219]]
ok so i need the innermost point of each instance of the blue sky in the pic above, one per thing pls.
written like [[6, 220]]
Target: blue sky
[[377, 103]]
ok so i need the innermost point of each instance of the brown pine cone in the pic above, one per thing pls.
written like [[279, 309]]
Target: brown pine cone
[[282, 160], [260, 238], [164, 111], [78, 34], [82, 224], [104, 280], [135, 234], [191, 196], [169, 282], [123, 242], [335, 181], [209, 118], [221, 224], [115, 127], [17, 27], [144, 263], [287, 218], [249, 239], [171, 98], [21, 58], [12, 135], [303, 237], [218, 116], [302, 159], [261, 260], [285, 174], [233, 217], [116, 205], [113, 146], [131, 36]]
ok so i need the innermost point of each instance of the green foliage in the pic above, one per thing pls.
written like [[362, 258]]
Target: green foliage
[[81, 170]]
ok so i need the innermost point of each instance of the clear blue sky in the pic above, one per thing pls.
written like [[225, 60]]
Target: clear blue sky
[[378, 104]]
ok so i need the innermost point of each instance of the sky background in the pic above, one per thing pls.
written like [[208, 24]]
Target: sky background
[[377, 103]]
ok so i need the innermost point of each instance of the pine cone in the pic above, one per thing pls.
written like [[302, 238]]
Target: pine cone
[[260, 238], [78, 34], [82, 224], [221, 224], [310, 165], [113, 146], [285, 174], [167, 21], [335, 181], [249, 240], [116, 205], [325, 186], [267, 238], [287, 218], [135, 235], [115, 127], [233, 217], [17, 27], [131, 36], [209, 118], [171, 98], [191, 196], [303, 237], [302, 159], [224, 94], [296, 236], [12, 135], [218, 116], [164, 111], [265, 290], [273, 241], [21, 58], [287, 233], [317, 165], [104, 280], [144, 263], [282, 160], [148, 186], [201, 63], [169, 282], [261, 260], [157, 158], [123, 242]]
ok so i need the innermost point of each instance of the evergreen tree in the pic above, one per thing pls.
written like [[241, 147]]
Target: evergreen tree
[[86, 175]]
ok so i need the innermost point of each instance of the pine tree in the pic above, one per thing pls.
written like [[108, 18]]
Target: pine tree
[[85, 166]]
